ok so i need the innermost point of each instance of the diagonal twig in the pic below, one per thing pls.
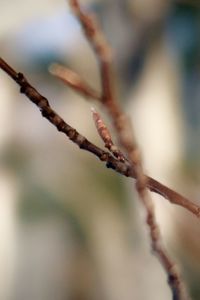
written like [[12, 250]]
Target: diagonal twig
[[122, 168]]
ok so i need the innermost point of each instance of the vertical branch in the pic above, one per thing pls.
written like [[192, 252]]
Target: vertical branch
[[103, 53], [174, 279], [122, 127], [98, 42]]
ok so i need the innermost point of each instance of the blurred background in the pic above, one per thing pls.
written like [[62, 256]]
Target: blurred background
[[69, 228]]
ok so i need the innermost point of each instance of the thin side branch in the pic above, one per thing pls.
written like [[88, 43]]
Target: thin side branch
[[106, 136], [75, 81]]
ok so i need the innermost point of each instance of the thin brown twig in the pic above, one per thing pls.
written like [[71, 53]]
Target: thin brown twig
[[120, 167], [121, 124], [98, 42], [47, 112], [74, 80], [105, 135]]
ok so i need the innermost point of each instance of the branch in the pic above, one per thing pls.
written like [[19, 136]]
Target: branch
[[47, 112], [98, 42], [120, 121], [106, 136], [73, 80], [122, 127], [175, 198], [118, 166]]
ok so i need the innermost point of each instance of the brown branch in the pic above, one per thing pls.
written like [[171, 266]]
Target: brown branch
[[78, 85], [74, 80], [122, 168], [47, 112], [106, 136], [171, 195], [98, 42], [154, 186], [121, 124], [174, 279], [120, 121]]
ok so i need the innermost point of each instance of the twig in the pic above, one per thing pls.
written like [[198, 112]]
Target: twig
[[120, 167], [106, 136], [47, 112], [73, 80], [121, 124], [102, 49]]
